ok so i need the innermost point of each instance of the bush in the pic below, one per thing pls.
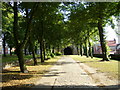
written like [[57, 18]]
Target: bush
[[48, 57], [52, 55], [58, 53]]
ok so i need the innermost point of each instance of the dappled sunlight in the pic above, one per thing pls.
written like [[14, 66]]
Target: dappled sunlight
[[109, 67], [13, 77], [39, 35]]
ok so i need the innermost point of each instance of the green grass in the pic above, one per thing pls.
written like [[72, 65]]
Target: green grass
[[9, 58], [109, 67]]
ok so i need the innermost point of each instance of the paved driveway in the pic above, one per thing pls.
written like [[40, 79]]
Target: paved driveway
[[66, 73]]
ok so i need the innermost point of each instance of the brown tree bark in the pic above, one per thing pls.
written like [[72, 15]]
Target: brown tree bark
[[21, 45], [86, 48], [90, 49], [53, 51], [77, 50], [34, 58], [41, 51], [19, 49], [44, 53], [10, 51], [102, 41], [21, 59], [4, 44], [32, 48], [101, 33], [81, 50]]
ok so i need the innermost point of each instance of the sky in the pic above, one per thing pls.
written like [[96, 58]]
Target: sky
[[110, 33]]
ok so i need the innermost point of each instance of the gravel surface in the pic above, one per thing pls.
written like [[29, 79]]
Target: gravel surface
[[69, 73]]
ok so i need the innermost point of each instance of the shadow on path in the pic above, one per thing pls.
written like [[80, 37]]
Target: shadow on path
[[8, 75], [81, 87]]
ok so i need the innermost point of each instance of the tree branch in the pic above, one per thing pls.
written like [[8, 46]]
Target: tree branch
[[29, 24]]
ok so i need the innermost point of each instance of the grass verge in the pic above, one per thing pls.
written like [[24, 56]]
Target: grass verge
[[11, 77], [109, 67], [9, 58]]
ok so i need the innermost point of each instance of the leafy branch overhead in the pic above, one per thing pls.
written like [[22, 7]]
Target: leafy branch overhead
[[52, 26]]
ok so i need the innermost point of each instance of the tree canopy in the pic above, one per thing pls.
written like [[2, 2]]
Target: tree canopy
[[55, 25]]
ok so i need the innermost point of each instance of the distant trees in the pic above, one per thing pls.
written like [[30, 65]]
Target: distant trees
[[7, 27], [101, 13], [32, 23], [21, 40], [82, 28], [90, 16], [50, 26]]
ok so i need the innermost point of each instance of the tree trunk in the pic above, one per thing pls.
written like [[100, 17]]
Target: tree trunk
[[77, 50], [50, 49], [90, 50], [86, 48], [4, 49], [81, 50], [32, 48], [19, 49], [34, 58], [25, 51], [10, 51], [102, 42], [36, 49], [20, 46], [21, 60], [53, 50], [44, 50], [41, 51], [101, 34]]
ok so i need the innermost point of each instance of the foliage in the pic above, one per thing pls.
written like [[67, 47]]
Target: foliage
[[52, 55], [14, 58], [58, 53], [48, 25]]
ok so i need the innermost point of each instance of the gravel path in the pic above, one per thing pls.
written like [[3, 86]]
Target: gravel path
[[68, 73]]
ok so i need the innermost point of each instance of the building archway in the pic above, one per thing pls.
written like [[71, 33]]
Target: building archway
[[68, 51]]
